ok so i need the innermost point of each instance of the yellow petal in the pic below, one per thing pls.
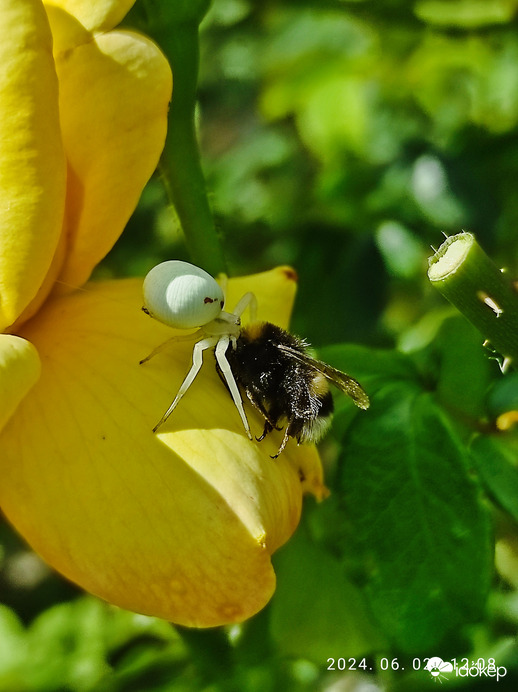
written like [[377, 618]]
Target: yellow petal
[[507, 420], [32, 165], [276, 290], [179, 525], [47, 285], [114, 96], [19, 371], [71, 20]]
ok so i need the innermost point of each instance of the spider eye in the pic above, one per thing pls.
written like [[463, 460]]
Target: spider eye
[[182, 295]]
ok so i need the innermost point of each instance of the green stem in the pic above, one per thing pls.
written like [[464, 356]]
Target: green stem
[[175, 28], [470, 280]]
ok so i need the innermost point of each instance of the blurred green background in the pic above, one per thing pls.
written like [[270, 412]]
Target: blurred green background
[[342, 138]]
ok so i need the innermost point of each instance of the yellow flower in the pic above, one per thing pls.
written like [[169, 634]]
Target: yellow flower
[[181, 524]]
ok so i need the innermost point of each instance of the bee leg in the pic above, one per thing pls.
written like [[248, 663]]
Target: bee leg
[[270, 423], [267, 429], [283, 443]]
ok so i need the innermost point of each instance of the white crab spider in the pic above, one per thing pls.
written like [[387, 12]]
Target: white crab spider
[[184, 296]]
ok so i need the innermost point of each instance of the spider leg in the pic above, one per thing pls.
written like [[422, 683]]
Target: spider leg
[[197, 361], [225, 368], [172, 340], [247, 301]]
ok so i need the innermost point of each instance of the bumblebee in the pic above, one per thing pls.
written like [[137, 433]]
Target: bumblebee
[[287, 385]]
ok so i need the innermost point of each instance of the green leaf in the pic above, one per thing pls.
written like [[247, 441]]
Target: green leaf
[[12, 649], [418, 519], [65, 644], [503, 396], [316, 613], [495, 459], [373, 367], [463, 366], [73, 643]]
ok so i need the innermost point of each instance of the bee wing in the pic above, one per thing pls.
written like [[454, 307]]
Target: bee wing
[[347, 384]]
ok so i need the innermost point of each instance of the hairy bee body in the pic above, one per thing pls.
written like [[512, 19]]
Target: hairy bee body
[[287, 389]]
